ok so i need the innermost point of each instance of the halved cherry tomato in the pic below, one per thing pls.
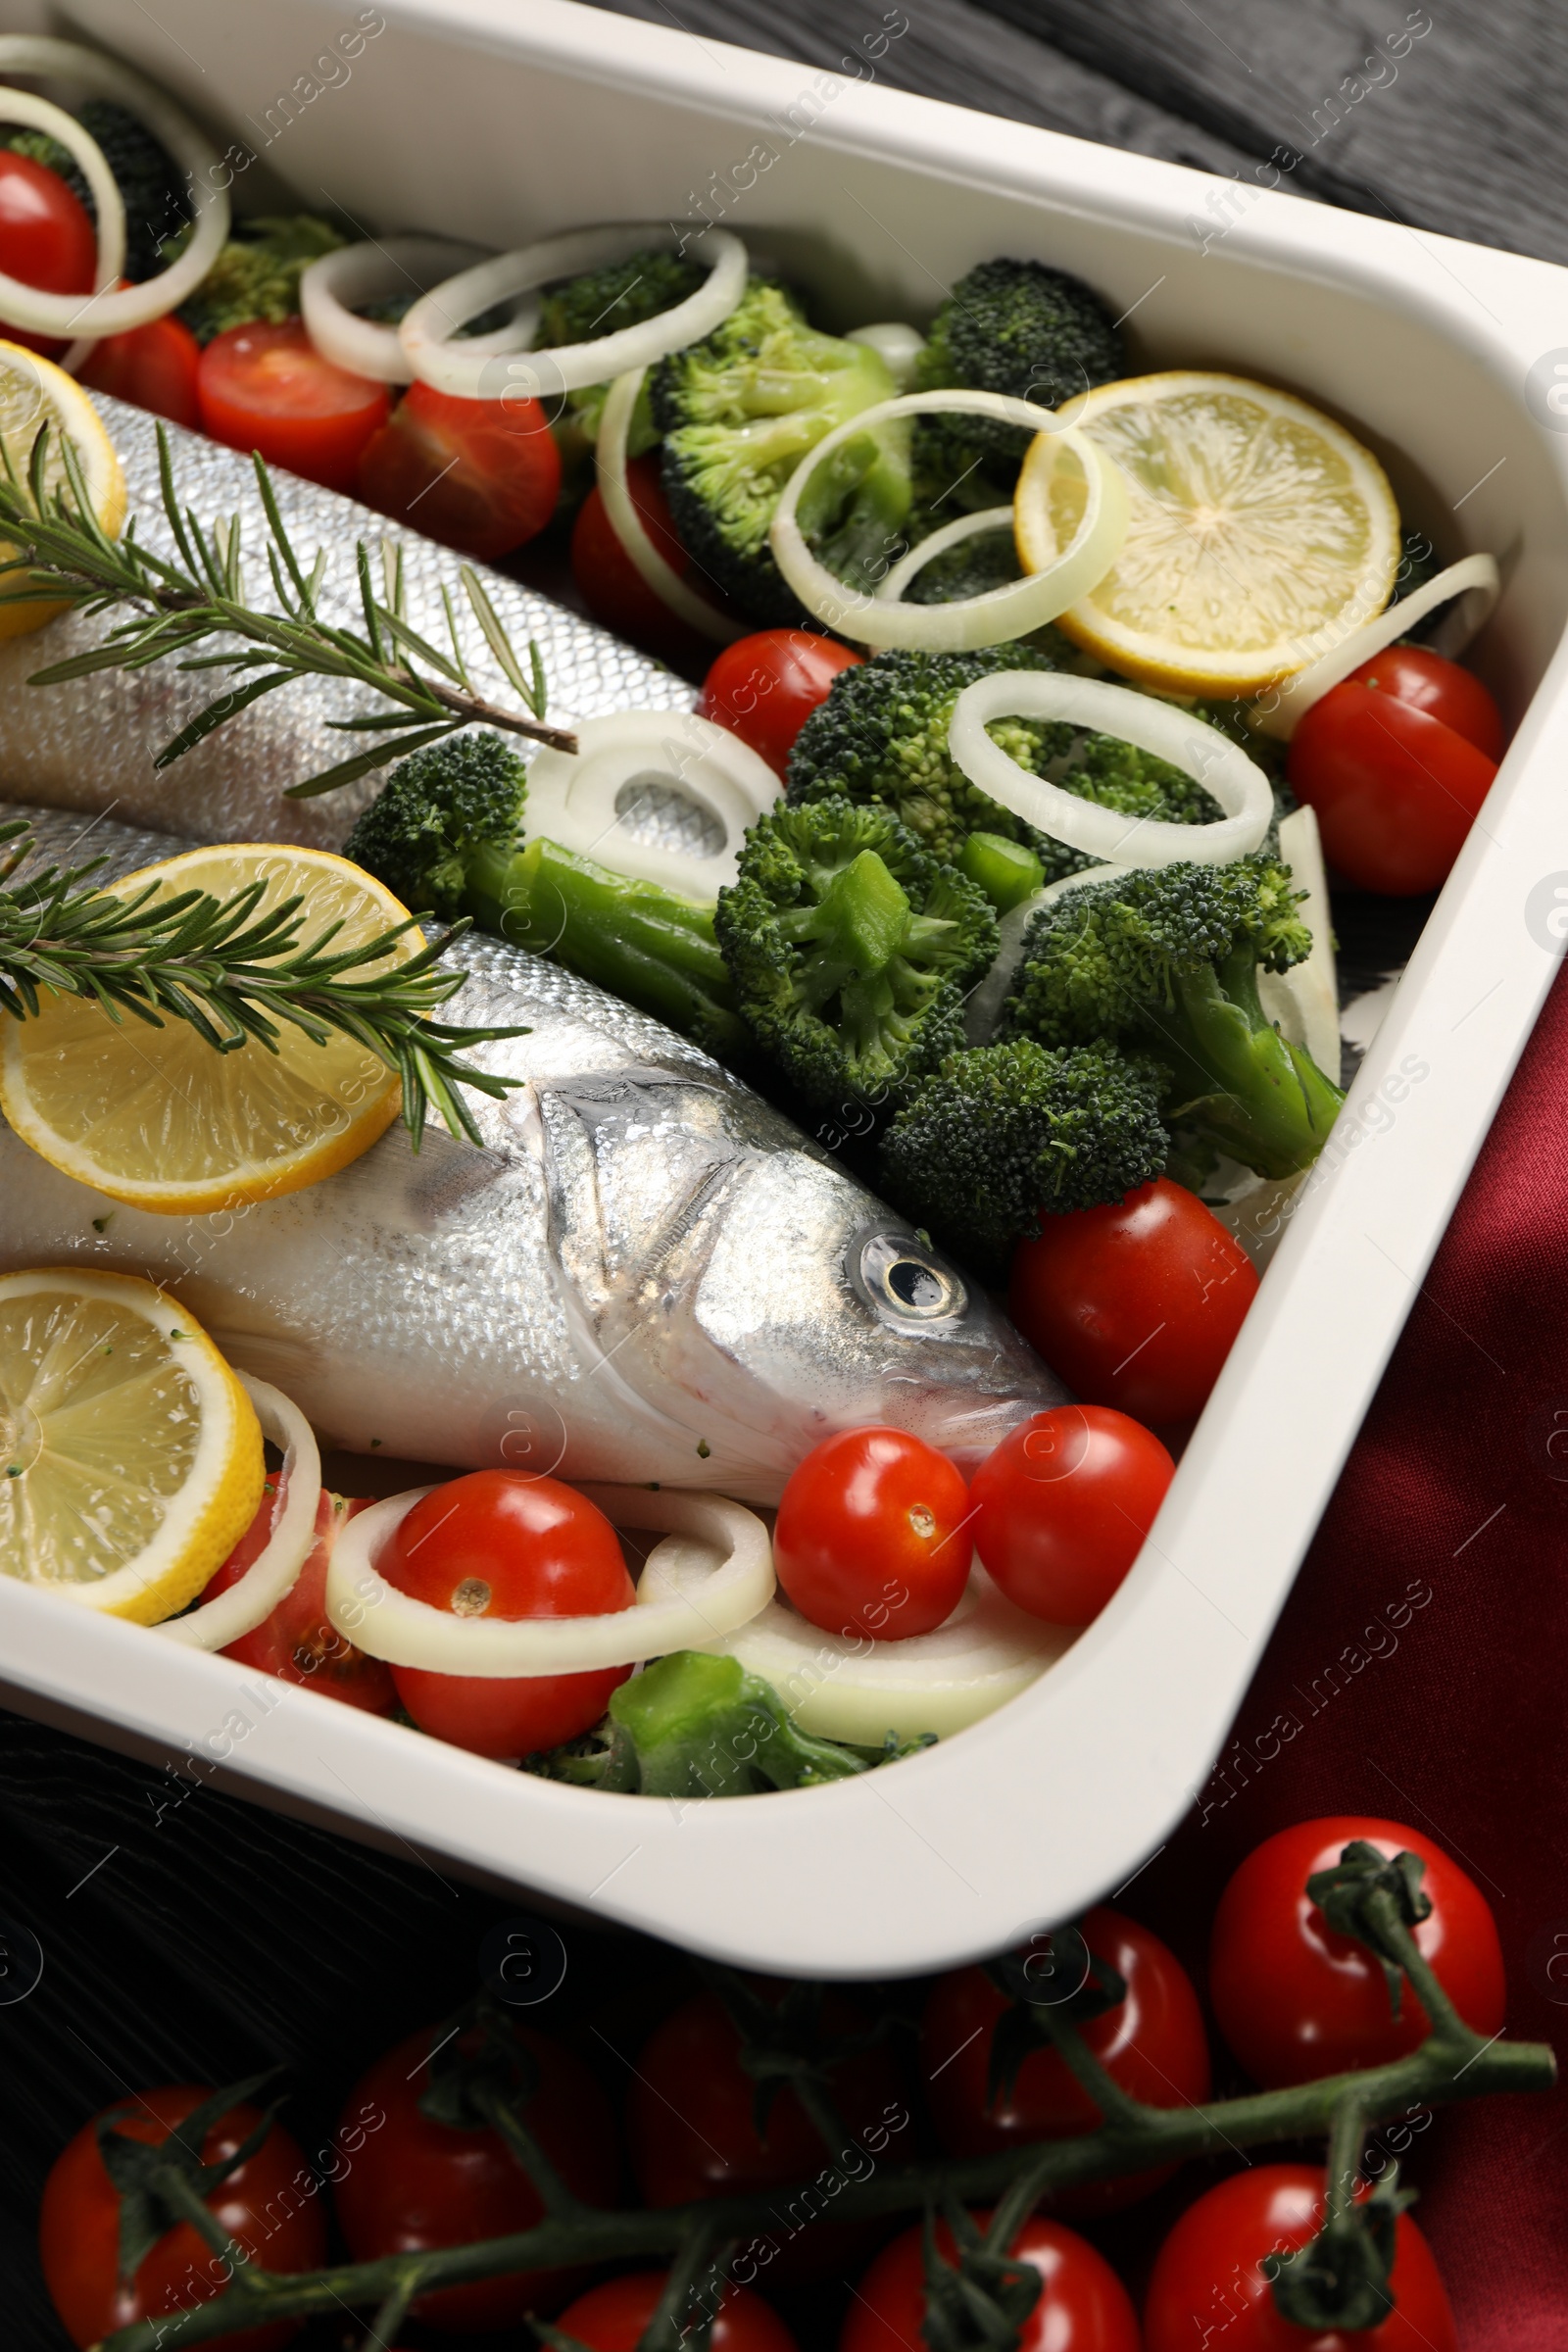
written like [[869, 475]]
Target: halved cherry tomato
[[410, 2182], [611, 2318], [1152, 2043], [871, 1536], [1394, 789], [155, 366], [267, 388], [46, 238], [1208, 2286], [765, 688], [258, 2204], [1427, 682], [1083, 2306], [480, 475], [1137, 1304], [615, 590], [298, 1641], [1295, 2000], [499, 1544], [1062, 1507]]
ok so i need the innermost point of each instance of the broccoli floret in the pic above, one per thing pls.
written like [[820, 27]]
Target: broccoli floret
[[738, 412], [851, 949], [1169, 963], [157, 204], [694, 1725], [256, 275], [974, 568], [1001, 1131], [444, 835], [599, 303]]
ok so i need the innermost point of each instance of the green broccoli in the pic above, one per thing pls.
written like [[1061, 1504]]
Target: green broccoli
[[444, 834], [1001, 1131], [851, 949], [256, 275], [1168, 962], [738, 412], [578, 310], [156, 201]]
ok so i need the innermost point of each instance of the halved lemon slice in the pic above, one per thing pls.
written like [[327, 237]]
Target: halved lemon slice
[[156, 1118], [33, 392], [1260, 531], [130, 1457]]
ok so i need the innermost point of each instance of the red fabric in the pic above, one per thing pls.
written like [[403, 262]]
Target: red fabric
[[1461, 1729]]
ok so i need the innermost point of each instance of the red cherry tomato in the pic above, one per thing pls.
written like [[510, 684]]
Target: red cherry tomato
[[46, 238], [1396, 791], [1208, 2286], [298, 1641], [1414, 674], [1152, 2043], [259, 2205], [1083, 2306], [267, 388], [871, 1536], [499, 1544], [690, 2119], [1135, 1304], [1295, 2000], [765, 688], [1062, 1507], [480, 475], [410, 2182], [155, 366], [611, 2318], [615, 590]]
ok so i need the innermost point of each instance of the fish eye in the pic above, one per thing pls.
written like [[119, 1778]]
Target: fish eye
[[901, 1280]]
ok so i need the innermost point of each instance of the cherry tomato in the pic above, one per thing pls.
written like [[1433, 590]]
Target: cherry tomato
[[1083, 2306], [691, 2121], [871, 1536], [1135, 1304], [410, 2182], [1295, 2000], [259, 2205], [155, 366], [615, 590], [267, 388], [46, 238], [765, 688], [1208, 2287], [480, 475], [298, 1641], [1414, 674], [1153, 2044], [1396, 791], [611, 2318], [503, 1545], [1062, 1507]]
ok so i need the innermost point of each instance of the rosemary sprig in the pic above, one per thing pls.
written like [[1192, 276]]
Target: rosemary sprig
[[234, 973], [178, 602]]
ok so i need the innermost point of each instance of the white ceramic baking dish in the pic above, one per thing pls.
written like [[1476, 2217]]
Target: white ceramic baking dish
[[504, 120]]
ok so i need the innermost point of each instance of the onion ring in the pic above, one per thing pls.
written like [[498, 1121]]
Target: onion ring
[[1199, 749], [1474, 578], [388, 1624], [628, 527], [216, 1623], [370, 272], [896, 345], [20, 105], [450, 367], [94, 316], [1001, 613], [574, 798], [937, 543]]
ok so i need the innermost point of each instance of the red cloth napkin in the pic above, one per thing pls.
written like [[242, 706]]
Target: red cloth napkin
[[1449, 1713]]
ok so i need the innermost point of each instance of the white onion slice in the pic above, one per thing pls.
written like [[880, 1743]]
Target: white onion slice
[[1305, 1002], [1001, 614], [627, 524], [937, 543], [20, 105], [454, 367], [1474, 580], [331, 289], [113, 313], [897, 346], [1199, 749], [582, 799], [726, 1578], [219, 1622], [983, 1007]]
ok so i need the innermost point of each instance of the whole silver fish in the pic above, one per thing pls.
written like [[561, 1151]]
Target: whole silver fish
[[646, 1272], [90, 744]]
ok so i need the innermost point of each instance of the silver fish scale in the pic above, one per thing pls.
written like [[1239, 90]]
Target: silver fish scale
[[90, 744]]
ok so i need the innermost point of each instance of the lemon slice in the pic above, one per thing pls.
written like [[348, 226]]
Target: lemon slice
[[33, 392], [1259, 532], [156, 1118], [130, 1457]]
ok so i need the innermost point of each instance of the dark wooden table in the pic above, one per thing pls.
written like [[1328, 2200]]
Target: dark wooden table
[[206, 1939]]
